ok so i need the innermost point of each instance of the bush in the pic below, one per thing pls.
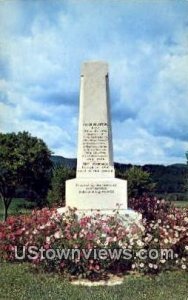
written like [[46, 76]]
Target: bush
[[139, 182], [56, 194], [163, 227]]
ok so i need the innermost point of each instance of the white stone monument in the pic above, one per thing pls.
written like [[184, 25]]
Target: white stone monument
[[95, 186]]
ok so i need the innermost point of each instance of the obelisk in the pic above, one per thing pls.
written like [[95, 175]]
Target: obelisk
[[95, 186], [95, 152]]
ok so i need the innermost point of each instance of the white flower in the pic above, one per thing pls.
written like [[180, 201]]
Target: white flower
[[186, 247], [57, 235], [75, 236], [156, 240], [133, 266], [183, 258], [47, 239], [162, 261], [140, 243], [131, 241], [141, 265], [159, 221], [41, 227], [166, 241], [35, 231], [155, 267], [120, 244], [148, 238], [48, 224], [150, 265], [184, 267]]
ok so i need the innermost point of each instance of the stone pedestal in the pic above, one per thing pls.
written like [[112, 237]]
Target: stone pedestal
[[96, 193]]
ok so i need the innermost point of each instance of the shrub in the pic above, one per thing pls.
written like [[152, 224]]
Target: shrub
[[162, 227], [56, 194], [139, 182], [151, 208]]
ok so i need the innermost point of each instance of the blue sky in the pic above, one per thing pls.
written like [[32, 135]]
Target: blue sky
[[43, 44]]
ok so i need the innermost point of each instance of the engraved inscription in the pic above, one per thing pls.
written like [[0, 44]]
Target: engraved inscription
[[95, 152], [98, 188]]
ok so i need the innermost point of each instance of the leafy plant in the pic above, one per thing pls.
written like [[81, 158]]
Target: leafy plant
[[139, 182], [56, 194], [24, 161]]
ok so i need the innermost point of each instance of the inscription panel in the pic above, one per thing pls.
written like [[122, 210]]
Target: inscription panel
[[96, 188], [95, 149]]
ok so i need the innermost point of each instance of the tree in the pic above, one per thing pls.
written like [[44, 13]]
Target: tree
[[139, 182], [56, 194], [24, 161]]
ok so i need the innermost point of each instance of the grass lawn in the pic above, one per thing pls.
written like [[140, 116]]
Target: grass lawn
[[14, 208], [180, 203], [17, 281]]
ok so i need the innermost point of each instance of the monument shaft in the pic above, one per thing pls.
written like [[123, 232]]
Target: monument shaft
[[95, 152]]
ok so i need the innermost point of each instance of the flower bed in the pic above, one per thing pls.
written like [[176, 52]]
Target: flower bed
[[101, 244]]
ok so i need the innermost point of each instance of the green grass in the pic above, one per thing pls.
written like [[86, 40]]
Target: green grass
[[14, 208], [17, 281], [180, 203]]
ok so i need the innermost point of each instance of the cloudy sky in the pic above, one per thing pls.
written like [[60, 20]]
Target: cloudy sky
[[43, 44]]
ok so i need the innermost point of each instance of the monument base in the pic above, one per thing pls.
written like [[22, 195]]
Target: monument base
[[129, 217], [94, 193], [107, 196]]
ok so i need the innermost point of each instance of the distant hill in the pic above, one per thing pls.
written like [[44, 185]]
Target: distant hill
[[71, 163], [66, 162]]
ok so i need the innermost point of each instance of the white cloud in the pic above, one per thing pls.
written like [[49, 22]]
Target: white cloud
[[166, 111], [133, 144]]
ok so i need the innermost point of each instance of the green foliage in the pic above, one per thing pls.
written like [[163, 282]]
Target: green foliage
[[56, 194], [170, 180], [24, 161], [186, 177], [139, 182]]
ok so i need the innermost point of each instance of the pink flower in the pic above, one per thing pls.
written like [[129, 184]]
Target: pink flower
[[57, 235], [62, 264]]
